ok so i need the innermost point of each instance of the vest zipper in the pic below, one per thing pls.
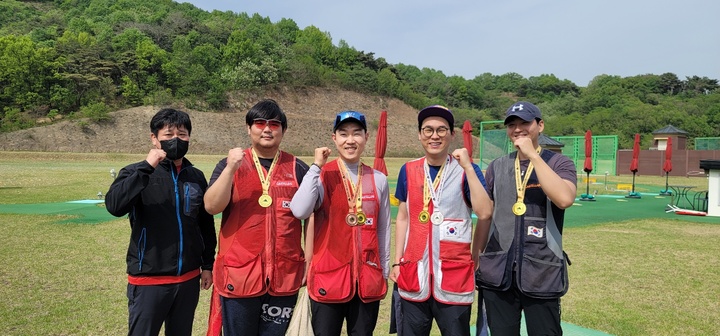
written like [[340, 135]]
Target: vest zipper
[[269, 257]]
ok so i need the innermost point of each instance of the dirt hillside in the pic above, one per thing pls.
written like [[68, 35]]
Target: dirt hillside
[[310, 114]]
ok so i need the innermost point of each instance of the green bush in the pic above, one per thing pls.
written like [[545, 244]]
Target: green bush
[[11, 120], [96, 112]]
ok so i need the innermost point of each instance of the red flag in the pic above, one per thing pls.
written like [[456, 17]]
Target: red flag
[[467, 138], [381, 144], [215, 318], [588, 152], [667, 166], [635, 154]]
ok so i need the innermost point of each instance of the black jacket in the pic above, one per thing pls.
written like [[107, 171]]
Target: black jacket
[[172, 233]]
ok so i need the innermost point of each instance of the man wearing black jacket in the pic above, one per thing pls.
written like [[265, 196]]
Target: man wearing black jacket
[[172, 240]]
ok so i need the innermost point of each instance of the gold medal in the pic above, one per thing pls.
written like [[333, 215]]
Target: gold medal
[[424, 216], [519, 209], [521, 183], [361, 218], [351, 219], [265, 201]]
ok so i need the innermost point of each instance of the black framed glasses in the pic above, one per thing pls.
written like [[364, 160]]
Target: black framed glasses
[[428, 131], [272, 123]]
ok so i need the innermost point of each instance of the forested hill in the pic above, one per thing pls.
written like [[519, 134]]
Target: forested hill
[[84, 58]]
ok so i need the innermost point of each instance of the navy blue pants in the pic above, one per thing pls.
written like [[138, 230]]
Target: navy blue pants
[[327, 318], [542, 316], [174, 304], [417, 317], [263, 315]]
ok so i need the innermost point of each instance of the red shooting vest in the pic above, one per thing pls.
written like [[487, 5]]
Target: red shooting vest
[[436, 260], [345, 258], [260, 248]]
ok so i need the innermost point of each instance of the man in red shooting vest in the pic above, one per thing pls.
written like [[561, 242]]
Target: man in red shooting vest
[[260, 264], [349, 238], [433, 265]]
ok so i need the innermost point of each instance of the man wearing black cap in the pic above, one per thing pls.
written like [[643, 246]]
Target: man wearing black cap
[[523, 266], [433, 264], [350, 238]]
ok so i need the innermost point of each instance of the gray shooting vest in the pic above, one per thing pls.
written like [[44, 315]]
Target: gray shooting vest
[[526, 248]]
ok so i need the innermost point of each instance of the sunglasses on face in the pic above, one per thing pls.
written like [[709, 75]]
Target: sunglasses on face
[[428, 131], [262, 123]]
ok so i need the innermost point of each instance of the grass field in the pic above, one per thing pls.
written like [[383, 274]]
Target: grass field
[[654, 276]]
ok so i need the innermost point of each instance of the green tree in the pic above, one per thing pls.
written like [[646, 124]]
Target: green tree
[[26, 72]]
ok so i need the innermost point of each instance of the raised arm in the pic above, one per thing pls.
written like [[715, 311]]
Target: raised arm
[[308, 197], [218, 194], [479, 198], [132, 180]]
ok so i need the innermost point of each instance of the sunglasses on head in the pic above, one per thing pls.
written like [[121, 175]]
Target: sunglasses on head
[[262, 123]]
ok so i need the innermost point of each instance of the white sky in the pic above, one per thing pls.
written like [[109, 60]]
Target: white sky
[[572, 39]]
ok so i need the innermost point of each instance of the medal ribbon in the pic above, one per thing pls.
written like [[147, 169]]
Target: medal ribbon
[[264, 180], [521, 185], [352, 191], [429, 193]]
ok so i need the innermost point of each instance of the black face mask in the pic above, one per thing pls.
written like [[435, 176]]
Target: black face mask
[[174, 148]]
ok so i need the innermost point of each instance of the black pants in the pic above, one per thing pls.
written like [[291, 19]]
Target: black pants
[[263, 315], [542, 316], [174, 304], [451, 319], [327, 318]]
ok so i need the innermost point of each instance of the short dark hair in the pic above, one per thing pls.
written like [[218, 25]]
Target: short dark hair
[[266, 109], [170, 117]]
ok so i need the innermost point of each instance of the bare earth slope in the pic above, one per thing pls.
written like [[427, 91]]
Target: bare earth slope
[[310, 112]]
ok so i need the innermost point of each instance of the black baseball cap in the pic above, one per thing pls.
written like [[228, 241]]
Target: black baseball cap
[[523, 110], [436, 111]]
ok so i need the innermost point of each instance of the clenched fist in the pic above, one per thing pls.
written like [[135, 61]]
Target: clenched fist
[[321, 156], [155, 156], [235, 158], [461, 154]]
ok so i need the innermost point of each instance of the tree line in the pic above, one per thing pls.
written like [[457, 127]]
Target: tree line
[[84, 58]]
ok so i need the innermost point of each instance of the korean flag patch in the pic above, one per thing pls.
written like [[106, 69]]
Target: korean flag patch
[[533, 231], [286, 204]]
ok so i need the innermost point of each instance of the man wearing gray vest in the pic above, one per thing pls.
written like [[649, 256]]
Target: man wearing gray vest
[[523, 266]]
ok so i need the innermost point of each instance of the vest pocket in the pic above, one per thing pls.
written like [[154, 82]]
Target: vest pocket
[[245, 280], [456, 267], [193, 199], [288, 274], [372, 284], [457, 277], [333, 285], [408, 279], [493, 270], [542, 278]]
